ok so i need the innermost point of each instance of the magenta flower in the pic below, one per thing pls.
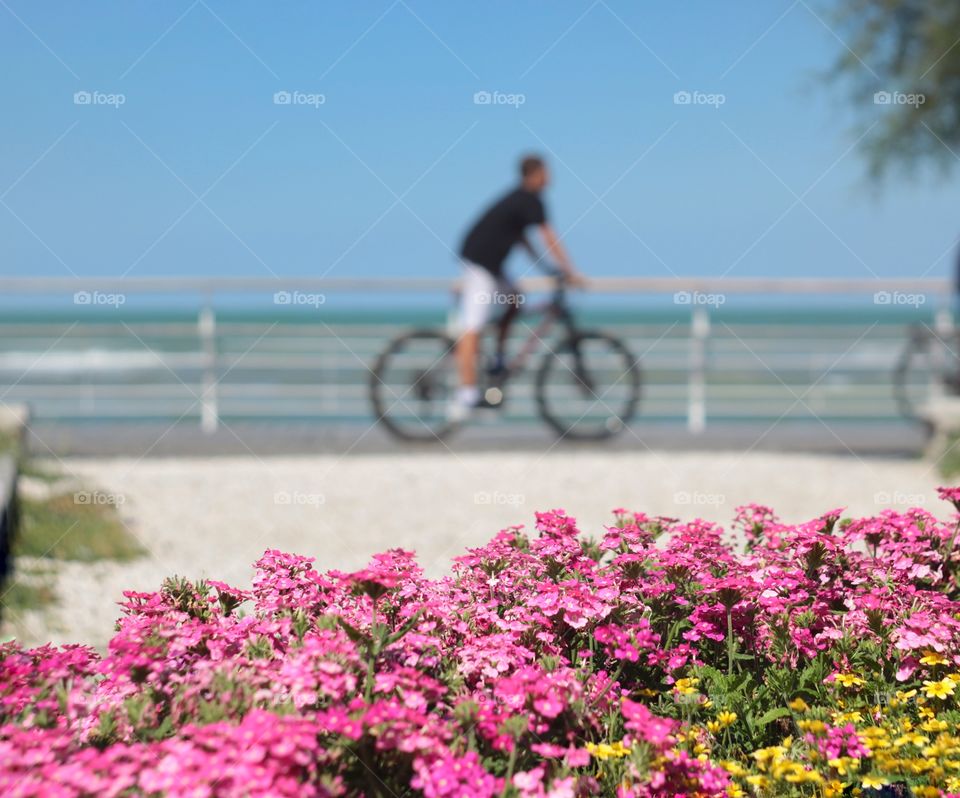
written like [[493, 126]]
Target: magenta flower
[[951, 495]]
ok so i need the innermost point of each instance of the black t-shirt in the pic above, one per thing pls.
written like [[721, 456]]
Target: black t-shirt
[[489, 241]]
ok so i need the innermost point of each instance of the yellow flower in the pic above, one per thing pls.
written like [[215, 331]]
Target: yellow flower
[[913, 738], [733, 767], [933, 658], [727, 718], [848, 680], [875, 738], [833, 789], [608, 750], [798, 705], [798, 774], [814, 726], [840, 718], [734, 791], [766, 756], [934, 725], [874, 781], [941, 689], [843, 765], [686, 686], [902, 697]]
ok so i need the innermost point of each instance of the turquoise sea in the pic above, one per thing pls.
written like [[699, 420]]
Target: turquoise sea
[[150, 362]]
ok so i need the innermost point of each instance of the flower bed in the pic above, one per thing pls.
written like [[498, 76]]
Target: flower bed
[[656, 661]]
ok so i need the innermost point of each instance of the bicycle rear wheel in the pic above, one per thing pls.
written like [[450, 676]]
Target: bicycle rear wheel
[[589, 388], [412, 385]]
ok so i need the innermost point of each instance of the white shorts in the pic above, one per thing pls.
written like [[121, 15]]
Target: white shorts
[[482, 293]]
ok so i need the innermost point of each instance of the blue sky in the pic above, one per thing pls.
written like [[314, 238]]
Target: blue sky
[[200, 172]]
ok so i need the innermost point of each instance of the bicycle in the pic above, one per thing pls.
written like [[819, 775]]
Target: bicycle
[[586, 388]]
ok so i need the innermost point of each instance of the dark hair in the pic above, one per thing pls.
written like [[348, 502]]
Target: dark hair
[[531, 164]]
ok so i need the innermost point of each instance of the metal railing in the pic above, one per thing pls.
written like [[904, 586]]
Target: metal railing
[[221, 363]]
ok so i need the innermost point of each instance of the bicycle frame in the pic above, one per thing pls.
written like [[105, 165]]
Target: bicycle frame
[[553, 310]]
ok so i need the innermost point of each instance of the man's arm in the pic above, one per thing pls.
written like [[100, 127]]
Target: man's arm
[[528, 248], [557, 253]]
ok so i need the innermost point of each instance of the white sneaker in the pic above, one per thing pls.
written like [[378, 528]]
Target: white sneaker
[[458, 412], [463, 404]]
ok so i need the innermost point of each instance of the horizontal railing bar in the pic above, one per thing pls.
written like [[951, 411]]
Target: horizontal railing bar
[[746, 392], [211, 286]]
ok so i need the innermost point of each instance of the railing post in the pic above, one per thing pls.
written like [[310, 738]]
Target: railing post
[[697, 379], [207, 328], [943, 326]]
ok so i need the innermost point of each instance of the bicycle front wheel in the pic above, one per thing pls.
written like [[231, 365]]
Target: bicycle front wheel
[[589, 388], [412, 385]]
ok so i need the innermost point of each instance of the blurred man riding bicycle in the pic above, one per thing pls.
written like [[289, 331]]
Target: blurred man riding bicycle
[[485, 287]]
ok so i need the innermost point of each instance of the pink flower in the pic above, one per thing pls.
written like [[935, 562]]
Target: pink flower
[[951, 495], [647, 726]]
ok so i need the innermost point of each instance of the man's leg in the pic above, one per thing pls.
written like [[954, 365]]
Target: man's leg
[[511, 299], [467, 345], [477, 288]]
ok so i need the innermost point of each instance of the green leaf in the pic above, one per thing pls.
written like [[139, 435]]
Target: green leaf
[[352, 632], [405, 628], [772, 714]]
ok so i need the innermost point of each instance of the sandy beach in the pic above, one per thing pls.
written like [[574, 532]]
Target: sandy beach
[[213, 517]]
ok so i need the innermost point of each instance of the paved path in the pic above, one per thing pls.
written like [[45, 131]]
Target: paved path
[[215, 516]]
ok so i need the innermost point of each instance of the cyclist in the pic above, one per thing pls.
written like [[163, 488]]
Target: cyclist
[[485, 286]]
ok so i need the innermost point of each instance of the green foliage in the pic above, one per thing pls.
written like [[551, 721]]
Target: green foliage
[[910, 47], [949, 463], [61, 528]]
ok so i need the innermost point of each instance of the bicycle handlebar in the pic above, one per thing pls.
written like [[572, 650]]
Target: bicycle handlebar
[[551, 270]]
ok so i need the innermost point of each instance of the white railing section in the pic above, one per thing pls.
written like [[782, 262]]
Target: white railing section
[[91, 367]]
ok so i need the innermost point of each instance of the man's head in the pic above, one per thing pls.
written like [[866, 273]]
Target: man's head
[[534, 174]]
